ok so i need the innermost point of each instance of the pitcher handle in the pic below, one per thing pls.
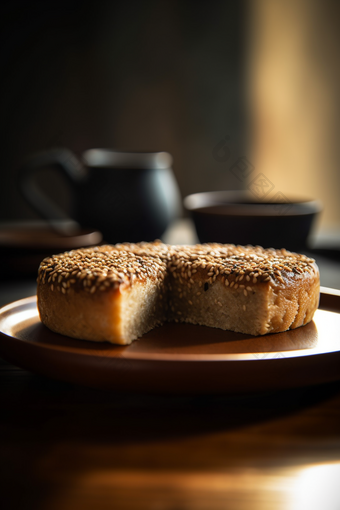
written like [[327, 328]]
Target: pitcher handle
[[72, 168]]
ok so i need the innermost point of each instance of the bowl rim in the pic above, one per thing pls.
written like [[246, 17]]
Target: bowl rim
[[243, 203]]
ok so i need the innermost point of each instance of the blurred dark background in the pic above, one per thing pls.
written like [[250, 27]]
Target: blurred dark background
[[177, 76], [134, 75]]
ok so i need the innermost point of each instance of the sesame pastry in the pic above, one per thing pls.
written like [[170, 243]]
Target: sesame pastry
[[118, 293]]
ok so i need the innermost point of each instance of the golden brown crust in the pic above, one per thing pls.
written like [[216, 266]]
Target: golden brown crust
[[89, 284], [79, 315]]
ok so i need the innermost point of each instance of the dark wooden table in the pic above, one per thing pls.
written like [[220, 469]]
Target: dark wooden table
[[65, 447]]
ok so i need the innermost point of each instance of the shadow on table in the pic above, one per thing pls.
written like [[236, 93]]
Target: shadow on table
[[39, 407], [52, 432]]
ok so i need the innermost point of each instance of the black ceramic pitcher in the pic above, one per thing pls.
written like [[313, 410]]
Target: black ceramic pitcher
[[128, 196]]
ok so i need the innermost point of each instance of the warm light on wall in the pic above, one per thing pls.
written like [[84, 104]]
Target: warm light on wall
[[294, 81]]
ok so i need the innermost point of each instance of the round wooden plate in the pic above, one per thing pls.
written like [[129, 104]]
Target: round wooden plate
[[179, 358]]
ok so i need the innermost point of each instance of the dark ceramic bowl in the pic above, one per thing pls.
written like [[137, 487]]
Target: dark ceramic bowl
[[236, 217]]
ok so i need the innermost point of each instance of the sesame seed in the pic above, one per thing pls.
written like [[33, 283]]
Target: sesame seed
[[108, 266]]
